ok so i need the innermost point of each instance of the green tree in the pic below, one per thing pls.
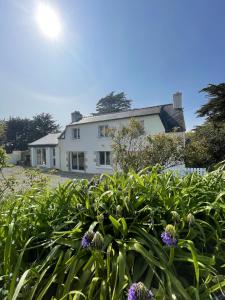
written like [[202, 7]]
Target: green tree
[[113, 103], [205, 146], [42, 125], [132, 149], [214, 109], [18, 133], [2, 132]]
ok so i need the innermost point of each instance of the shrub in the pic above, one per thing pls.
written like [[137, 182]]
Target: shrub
[[94, 240], [133, 149]]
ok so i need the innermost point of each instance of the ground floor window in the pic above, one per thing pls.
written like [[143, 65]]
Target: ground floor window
[[41, 156], [104, 158], [77, 160], [53, 157]]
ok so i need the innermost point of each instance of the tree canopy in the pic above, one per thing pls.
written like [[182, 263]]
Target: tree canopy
[[113, 103], [214, 110], [42, 125], [205, 146], [19, 132]]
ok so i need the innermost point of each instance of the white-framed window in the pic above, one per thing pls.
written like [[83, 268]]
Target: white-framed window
[[53, 157], [77, 161], [103, 131], [104, 158], [76, 133], [41, 156]]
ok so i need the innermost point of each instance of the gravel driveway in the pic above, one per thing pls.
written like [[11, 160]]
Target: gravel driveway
[[55, 177]]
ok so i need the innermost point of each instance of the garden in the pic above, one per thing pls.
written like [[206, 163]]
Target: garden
[[139, 235]]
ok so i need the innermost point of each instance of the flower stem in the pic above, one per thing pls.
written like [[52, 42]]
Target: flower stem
[[171, 256]]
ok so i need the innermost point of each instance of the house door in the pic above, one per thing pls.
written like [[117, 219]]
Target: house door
[[77, 161]]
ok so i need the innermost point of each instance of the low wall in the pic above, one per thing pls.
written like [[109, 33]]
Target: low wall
[[14, 157]]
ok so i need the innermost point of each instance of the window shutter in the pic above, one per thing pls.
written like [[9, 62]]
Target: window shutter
[[97, 158], [99, 131], [68, 160], [85, 161]]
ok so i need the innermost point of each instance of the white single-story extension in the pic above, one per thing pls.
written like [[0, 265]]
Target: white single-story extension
[[45, 151], [85, 145]]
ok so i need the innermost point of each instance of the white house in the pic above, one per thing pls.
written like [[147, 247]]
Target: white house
[[84, 145]]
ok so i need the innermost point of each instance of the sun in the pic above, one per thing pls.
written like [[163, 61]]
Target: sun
[[48, 21]]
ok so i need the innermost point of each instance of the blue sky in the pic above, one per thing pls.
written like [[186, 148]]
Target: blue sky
[[149, 49]]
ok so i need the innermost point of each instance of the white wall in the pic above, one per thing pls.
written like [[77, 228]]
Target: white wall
[[90, 142]]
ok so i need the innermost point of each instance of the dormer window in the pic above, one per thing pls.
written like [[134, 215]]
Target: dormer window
[[76, 133], [103, 131]]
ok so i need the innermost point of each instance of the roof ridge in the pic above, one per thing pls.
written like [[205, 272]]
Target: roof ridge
[[123, 111]]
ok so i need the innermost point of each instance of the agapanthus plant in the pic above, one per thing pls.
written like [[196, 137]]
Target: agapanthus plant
[[138, 291], [168, 236], [92, 239], [87, 239]]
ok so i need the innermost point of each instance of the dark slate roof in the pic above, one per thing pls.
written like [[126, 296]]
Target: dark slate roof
[[48, 140], [170, 117]]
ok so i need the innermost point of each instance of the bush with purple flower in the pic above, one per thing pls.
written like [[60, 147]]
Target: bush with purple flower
[[92, 239], [168, 236], [138, 291], [87, 239]]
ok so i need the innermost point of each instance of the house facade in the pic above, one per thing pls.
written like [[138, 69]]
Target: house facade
[[85, 144]]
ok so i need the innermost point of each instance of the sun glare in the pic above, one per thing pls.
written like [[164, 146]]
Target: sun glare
[[48, 21]]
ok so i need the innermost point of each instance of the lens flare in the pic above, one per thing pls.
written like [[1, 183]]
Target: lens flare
[[48, 21]]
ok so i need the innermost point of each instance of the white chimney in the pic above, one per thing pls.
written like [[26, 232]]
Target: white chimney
[[177, 100]]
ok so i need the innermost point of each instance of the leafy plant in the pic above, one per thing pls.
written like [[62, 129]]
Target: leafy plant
[[94, 240]]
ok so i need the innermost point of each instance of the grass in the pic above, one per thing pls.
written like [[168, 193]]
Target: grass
[[41, 231]]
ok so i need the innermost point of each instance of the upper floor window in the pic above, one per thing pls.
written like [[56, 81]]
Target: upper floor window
[[103, 131], [76, 133]]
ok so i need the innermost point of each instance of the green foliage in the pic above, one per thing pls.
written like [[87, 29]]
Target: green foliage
[[132, 149], [214, 110], [205, 146], [3, 158], [41, 232], [20, 132], [113, 103], [43, 124], [2, 131]]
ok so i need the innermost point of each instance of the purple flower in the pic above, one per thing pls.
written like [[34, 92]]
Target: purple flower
[[168, 239], [87, 239], [132, 292], [138, 291]]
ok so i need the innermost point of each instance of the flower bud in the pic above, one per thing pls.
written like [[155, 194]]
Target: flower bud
[[190, 219], [100, 218], [170, 229], [119, 210], [175, 216], [97, 242]]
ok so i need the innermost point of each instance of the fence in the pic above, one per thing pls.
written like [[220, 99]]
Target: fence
[[182, 170]]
